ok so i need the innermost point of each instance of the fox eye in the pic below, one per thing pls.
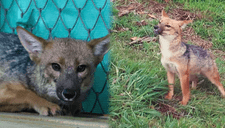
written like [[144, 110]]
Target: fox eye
[[56, 67], [81, 68], [168, 26]]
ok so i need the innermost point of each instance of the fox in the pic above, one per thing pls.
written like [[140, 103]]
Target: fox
[[184, 60], [50, 76]]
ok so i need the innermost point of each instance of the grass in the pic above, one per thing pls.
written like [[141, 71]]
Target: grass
[[212, 24], [138, 80]]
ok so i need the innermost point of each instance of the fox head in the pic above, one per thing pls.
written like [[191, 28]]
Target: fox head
[[167, 26], [67, 64]]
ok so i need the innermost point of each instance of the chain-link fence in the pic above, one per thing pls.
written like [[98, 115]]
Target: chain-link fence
[[79, 19]]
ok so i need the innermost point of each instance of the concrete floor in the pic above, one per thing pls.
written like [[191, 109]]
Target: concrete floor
[[24, 120]]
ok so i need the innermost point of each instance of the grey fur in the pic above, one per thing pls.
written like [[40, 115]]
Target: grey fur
[[16, 65]]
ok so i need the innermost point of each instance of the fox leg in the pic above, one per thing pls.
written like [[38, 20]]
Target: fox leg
[[194, 81], [171, 81], [184, 80], [214, 77], [184, 75], [14, 96]]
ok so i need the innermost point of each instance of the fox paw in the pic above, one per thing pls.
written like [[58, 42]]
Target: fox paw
[[223, 96], [168, 96], [183, 102], [47, 109]]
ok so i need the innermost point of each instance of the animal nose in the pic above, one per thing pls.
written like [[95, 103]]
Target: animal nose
[[69, 95], [156, 27]]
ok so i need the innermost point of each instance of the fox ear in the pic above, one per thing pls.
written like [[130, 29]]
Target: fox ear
[[32, 43], [184, 23], [164, 14], [100, 47]]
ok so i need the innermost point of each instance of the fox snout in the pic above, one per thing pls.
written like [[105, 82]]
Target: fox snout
[[157, 30], [69, 95], [68, 87]]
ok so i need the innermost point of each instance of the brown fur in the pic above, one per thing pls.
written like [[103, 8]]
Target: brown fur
[[183, 59], [16, 97], [43, 87]]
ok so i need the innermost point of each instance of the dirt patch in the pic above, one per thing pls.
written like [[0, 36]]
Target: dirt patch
[[169, 110], [154, 9], [219, 53], [177, 13], [133, 7], [190, 35], [181, 14]]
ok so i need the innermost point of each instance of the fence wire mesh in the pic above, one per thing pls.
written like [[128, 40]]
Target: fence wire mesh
[[85, 20]]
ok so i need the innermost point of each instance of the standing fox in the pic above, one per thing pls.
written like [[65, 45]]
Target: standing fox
[[183, 59], [45, 74]]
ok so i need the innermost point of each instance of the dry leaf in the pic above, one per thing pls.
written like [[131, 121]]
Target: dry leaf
[[130, 7], [148, 39], [114, 81], [151, 107], [152, 16], [124, 12], [134, 38], [120, 29], [142, 23], [121, 94], [167, 1], [142, 12]]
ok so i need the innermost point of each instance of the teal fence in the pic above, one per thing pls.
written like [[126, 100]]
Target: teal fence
[[79, 19]]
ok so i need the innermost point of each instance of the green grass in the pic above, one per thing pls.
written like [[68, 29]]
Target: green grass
[[138, 80], [212, 25]]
